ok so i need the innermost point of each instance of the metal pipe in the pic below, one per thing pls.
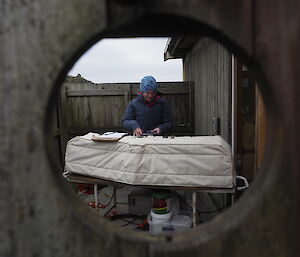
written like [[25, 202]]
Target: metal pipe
[[194, 199], [96, 197]]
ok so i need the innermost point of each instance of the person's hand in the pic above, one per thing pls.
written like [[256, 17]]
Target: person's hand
[[156, 130], [137, 132]]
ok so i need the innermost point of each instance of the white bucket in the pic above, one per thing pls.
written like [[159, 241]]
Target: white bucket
[[157, 221]]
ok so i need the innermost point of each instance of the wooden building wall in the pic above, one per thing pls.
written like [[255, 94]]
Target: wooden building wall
[[246, 122], [260, 129], [208, 66]]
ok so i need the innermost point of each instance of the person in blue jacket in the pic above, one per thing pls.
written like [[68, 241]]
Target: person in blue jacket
[[148, 112]]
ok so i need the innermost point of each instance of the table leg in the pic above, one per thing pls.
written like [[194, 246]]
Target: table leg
[[96, 197], [232, 198], [194, 199]]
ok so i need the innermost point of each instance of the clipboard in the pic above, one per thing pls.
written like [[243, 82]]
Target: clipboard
[[108, 137]]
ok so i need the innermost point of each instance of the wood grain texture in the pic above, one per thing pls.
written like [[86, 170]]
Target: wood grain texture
[[208, 65], [86, 105], [39, 43]]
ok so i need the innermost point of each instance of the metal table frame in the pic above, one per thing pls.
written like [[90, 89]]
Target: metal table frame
[[72, 177]]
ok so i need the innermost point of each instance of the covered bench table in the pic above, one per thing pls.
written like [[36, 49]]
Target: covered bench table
[[190, 162]]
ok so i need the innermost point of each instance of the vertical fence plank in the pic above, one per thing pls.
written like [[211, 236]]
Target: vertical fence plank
[[127, 94], [62, 117]]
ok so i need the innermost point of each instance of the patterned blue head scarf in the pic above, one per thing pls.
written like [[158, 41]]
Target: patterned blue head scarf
[[148, 83]]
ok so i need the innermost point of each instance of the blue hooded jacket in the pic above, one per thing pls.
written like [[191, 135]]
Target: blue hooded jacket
[[147, 117]]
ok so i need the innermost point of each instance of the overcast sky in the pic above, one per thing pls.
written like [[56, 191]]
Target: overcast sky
[[127, 60]]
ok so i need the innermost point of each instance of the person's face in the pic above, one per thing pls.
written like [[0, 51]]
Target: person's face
[[149, 95]]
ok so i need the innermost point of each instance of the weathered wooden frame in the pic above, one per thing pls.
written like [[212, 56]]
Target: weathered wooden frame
[[40, 41]]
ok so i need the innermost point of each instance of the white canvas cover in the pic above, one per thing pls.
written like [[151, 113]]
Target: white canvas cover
[[200, 161]]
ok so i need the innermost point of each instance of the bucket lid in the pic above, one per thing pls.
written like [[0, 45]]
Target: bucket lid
[[165, 216]]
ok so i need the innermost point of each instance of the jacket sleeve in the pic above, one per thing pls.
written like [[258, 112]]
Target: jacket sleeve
[[128, 120], [166, 118]]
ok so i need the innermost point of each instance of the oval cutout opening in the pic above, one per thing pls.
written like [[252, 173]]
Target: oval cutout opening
[[233, 109]]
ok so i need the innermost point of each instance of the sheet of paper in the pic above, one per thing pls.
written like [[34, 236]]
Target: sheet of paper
[[106, 136], [112, 135]]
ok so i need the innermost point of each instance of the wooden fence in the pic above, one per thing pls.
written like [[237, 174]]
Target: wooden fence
[[87, 107]]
